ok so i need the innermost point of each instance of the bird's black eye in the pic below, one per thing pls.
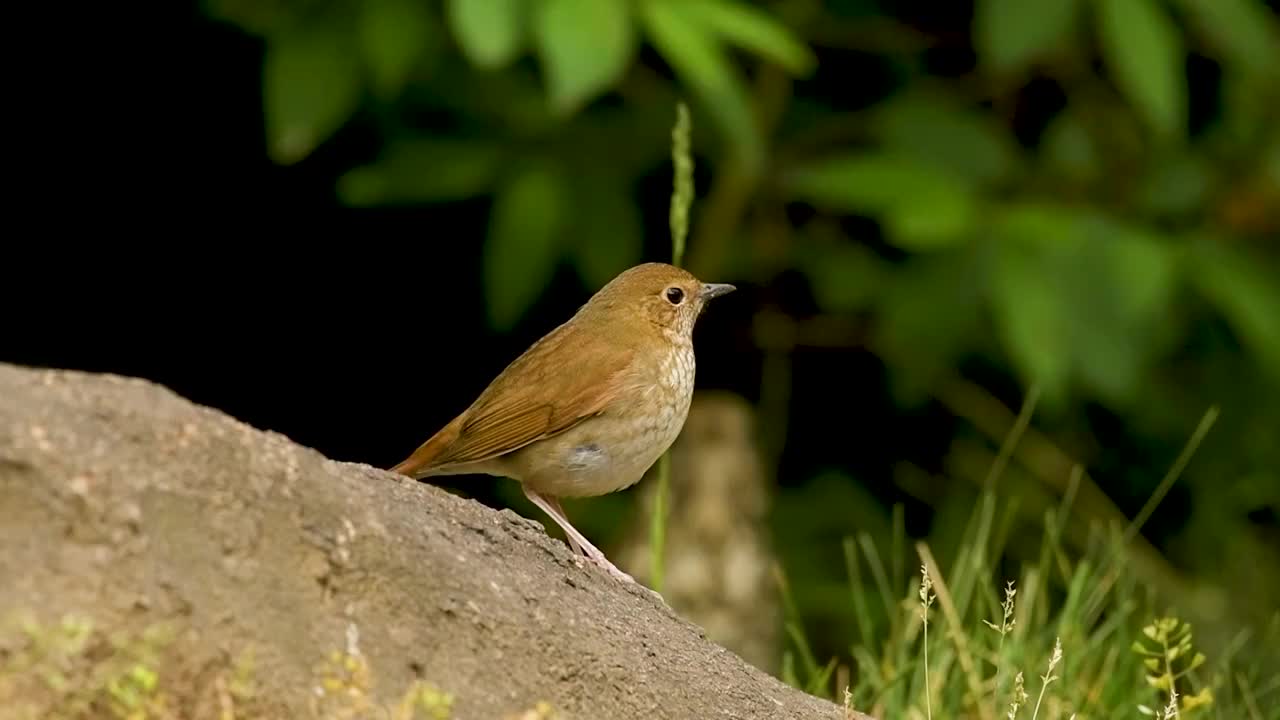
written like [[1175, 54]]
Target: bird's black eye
[[675, 295]]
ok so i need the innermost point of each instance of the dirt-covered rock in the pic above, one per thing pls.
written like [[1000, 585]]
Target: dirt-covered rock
[[156, 553]]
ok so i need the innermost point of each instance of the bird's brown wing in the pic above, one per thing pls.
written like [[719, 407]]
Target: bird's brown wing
[[562, 380]]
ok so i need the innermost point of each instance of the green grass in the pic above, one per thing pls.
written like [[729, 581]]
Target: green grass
[[1068, 637], [1072, 634]]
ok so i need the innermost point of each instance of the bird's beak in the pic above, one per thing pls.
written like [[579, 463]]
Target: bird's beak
[[715, 290]]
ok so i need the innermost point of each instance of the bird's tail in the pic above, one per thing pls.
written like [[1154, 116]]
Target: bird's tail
[[423, 461]]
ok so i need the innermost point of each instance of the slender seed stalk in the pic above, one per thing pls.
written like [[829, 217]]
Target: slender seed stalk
[[1048, 677], [681, 199], [682, 195], [1006, 625], [926, 599]]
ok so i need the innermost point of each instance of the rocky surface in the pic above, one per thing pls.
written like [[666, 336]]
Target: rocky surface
[[258, 561]]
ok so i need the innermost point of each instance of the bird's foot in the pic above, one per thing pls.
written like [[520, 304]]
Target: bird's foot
[[613, 570], [597, 558]]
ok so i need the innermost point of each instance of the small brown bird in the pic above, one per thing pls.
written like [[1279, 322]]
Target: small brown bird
[[590, 406]]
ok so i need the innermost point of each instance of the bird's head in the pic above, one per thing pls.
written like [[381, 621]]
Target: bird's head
[[660, 294]]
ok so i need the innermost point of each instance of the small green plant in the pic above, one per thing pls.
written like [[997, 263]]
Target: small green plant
[[133, 694], [344, 686], [1169, 659], [427, 699], [74, 669], [237, 687]]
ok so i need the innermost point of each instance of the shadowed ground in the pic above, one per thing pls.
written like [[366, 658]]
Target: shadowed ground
[[257, 561]]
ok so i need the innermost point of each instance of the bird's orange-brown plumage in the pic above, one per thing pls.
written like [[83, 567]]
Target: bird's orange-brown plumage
[[591, 406], [568, 376]]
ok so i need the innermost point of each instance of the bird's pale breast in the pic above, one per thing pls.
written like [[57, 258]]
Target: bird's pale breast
[[613, 450]]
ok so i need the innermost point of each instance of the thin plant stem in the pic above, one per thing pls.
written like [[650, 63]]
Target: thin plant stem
[[1048, 677], [1171, 477], [1015, 434], [957, 634], [681, 199], [926, 599]]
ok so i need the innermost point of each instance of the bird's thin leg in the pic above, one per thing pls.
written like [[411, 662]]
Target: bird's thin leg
[[557, 513], [572, 536], [551, 506]]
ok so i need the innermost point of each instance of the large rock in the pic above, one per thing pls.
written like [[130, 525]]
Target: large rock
[[256, 562]]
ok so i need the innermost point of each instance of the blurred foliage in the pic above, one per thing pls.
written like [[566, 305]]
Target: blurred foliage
[[1082, 195]]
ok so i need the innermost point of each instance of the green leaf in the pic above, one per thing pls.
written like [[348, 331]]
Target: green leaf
[[964, 142], [1242, 32], [922, 206], [393, 34], [1244, 290], [585, 46], [1037, 224], [699, 61], [870, 181], [1142, 267], [751, 28], [1120, 285], [522, 246], [1144, 53], [845, 276], [491, 32], [937, 216], [1176, 185], [928, 310], [1196, 661], [1271, 165], [1097, 294], [423, 170], [1069, 149], [1031, 320], [1010, 34], [607, 231], [311, 85]]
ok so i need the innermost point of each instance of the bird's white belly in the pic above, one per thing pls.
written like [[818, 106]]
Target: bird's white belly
[[612, 452], [597, 458]]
